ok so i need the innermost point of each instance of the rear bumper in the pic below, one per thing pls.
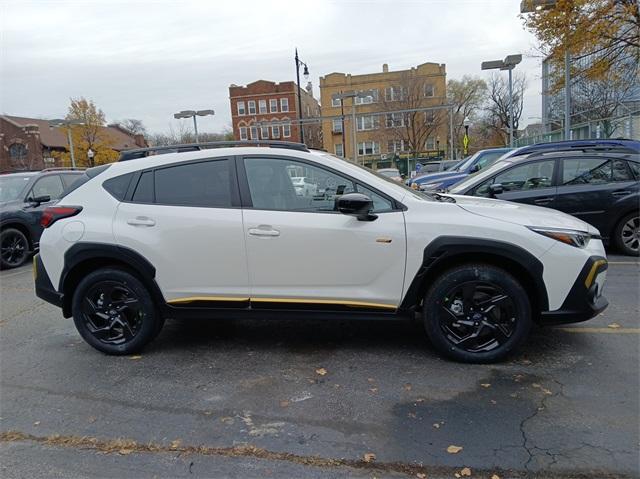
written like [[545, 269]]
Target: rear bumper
[[44, 288], [585, 299]]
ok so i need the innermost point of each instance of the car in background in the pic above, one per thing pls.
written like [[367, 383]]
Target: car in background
[[598, 182], [392, 173], [23, 198], [303, 186], [445, 179]]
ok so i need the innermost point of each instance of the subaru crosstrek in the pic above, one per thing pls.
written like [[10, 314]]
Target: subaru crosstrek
[[221, 233]]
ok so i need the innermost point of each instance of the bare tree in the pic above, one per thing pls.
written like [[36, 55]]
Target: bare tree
[[183, 134], [132, 126], [468, 96], [413, 128], [497, 110]]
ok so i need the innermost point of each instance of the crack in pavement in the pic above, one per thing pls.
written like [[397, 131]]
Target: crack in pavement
[[126, 447]]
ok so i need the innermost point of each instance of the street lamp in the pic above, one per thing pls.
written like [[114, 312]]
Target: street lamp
[[90, 155], [67, 123], [306, 77], [353, 95], [530, 6], [193, 113], [509, 63], [465, 140]]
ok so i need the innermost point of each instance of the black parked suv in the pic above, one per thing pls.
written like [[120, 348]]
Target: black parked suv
[[23, 197], [597, 182]]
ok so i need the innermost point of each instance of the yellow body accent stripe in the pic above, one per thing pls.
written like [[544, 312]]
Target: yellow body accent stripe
[[35, 270], [322, 301], [191, 299], [592, 273]]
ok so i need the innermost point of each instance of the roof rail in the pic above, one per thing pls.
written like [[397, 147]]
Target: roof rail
[[620, 145], [63, 168], [180, 148]]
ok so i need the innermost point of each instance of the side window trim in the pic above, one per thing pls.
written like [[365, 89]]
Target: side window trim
[[245, 193]]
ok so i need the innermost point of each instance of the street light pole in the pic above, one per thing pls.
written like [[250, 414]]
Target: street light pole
[[510, 108], [70, 139], [193, 113], [195, 128], [306, 75], [67, 124]]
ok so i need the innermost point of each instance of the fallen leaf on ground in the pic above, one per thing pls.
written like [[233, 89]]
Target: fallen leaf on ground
[[321, 371], [614, 326], [485, 385], [495, 476], [284, 403], [373, 390], [176, 444], [407, 387], [135, 357], [125, 452], [457, 475], [493, 401], [436, 425], [411, 415], [421, 475], [465, 472], [371, 380], [36, 423], [369, 457], [454, 449], [92, 419]]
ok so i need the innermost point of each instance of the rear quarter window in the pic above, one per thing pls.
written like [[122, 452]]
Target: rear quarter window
[[118, 186]]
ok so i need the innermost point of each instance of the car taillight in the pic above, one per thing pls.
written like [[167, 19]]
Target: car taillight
[[54, 213]]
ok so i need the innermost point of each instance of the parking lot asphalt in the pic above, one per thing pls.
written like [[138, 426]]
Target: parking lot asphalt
[[317, 399]]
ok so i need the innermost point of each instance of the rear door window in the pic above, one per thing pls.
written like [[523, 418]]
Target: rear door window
[[586, 171]]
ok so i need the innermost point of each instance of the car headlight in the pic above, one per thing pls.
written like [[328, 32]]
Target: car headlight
[[576, 238], [431, 186]]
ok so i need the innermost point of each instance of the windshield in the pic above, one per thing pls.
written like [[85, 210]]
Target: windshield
[[11, 187], [479, 177], [389, 173]]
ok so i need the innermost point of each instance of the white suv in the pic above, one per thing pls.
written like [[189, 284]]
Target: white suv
[[222, 232]]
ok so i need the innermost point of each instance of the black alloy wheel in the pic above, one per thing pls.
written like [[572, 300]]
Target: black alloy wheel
[[628, 234], [476, 313], [477, 316], [114, 312], [14, 248]]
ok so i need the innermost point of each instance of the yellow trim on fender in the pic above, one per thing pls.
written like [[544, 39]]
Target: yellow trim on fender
[[35, 269], [191, 299], [323, 301], [592, 273]]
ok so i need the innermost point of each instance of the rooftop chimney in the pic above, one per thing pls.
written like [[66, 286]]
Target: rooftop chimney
[[385, 68]]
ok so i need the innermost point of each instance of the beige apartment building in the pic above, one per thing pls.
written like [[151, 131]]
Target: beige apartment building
[[392, 116]]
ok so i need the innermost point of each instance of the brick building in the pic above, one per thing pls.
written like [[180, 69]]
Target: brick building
[[262, 102], [381, 137], [30, 144]]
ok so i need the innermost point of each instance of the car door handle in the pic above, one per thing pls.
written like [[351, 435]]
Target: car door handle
[[141, 221], [621, 193], [264, 230], [544, 201]]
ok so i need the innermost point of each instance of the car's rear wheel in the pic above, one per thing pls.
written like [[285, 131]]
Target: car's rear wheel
[[476, 313], [627, 234], [114, 312], [14, 248]]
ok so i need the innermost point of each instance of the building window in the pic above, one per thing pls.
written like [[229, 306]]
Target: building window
[[273, 105], [241, 110], [395, 146], [286, 130], [337, 125], [368, 122], [373, 98], [338, 148], [429, 116], [262, 106], [430, 144], [335, 102], [252, 107], [429, 91], [264, 132], [368, 148], [284, 104], [395, 93], [254, 132], [17, 153], [275, 132], [394, 120], [243, 133]]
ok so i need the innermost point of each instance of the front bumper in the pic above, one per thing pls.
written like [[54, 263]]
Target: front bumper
[[44, 288], [585, 299]]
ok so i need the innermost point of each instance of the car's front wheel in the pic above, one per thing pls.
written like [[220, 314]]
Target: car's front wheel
[[627, 234], [476, 313], [114, 312], [14, 248]]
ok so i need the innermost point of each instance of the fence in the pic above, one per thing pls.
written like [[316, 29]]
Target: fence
[[627, 126]]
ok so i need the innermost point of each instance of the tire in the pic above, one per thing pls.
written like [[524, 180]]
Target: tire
[[114, 312], [627, 234], [476, 313], [14, 248]]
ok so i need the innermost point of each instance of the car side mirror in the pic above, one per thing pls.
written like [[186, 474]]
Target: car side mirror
[[475, 168], [496, 189], [38, 200], [356, 204]]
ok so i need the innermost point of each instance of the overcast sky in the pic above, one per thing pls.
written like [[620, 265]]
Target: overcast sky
[[149, 59]]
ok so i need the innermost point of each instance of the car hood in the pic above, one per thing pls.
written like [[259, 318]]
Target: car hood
[[521, 214], [433, 177]]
